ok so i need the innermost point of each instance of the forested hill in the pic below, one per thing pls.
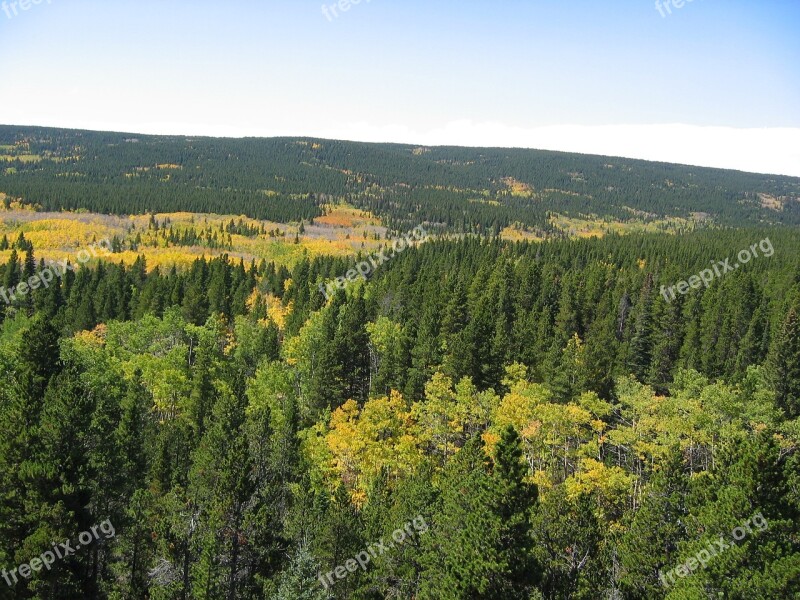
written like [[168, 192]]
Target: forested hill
[[553, 424], [461, 189]]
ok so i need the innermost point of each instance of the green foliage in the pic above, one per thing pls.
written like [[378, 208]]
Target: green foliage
[[480, 546], [785, 362], [300, 580], [560, 428], [461, 189]]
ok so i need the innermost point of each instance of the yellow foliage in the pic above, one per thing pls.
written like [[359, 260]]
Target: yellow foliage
[[360, 444], [542, 480], [518, 188], [24, 158], [610, 486], [277, 311], [490, 440], [514, 233], [55, 237], [518, 407], [96, 337]]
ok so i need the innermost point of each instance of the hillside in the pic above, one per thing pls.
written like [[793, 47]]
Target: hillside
[[243, 376], [456, 189], [521, 413]]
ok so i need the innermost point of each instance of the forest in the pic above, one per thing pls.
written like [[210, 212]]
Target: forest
[[400, 300], [462, 190], [481, 419]]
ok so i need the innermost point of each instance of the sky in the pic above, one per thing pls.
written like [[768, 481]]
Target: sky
[[707, 82]]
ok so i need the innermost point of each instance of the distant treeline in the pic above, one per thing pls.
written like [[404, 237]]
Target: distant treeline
[[290, 179]]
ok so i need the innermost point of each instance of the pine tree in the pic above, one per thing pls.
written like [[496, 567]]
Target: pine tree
[[514, 499], [133, 433], [648, 547], [568, 545], [666, 343], [221, 487], [458, 560], [300, 579], [785, 363], [641, 346], [13, 274], [480, 546]]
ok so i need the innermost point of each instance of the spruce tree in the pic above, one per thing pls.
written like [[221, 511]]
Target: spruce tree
[[514, 499], [785, 363]]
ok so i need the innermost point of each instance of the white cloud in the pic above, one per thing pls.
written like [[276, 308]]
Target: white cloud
[[770, 150]]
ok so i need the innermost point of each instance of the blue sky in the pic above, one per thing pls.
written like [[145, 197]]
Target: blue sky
[[715, 82]]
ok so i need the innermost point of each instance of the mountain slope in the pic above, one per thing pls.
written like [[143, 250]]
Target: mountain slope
[[460, 189]]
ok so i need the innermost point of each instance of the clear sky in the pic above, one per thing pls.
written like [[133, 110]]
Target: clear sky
[[714, 82]]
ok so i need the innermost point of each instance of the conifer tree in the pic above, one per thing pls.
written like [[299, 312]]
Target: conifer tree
[[785, 362], [300, 579]]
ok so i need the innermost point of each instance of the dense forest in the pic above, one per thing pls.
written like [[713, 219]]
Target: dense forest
[[480, 419], [455, 189]]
